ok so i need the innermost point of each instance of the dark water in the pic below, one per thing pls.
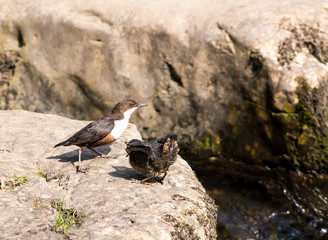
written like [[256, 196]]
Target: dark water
[[248, 210]]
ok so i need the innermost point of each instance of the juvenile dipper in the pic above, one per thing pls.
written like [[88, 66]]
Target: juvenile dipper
[[153, 156], [104, 130]]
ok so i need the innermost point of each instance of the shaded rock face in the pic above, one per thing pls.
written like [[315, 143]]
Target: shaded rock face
[[224, 77], [111, 203]]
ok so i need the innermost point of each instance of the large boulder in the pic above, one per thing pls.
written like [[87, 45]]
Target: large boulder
[[109, 201], [245, 79]]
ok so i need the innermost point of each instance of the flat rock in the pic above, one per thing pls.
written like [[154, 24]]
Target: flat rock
[[110, 199]]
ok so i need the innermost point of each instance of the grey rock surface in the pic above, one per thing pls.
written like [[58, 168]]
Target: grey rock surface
[[113, 203], [225, 76]]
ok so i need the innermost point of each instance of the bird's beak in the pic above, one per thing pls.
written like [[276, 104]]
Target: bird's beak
[[142, 105]]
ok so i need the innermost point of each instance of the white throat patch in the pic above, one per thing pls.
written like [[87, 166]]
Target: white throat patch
[[121, 125]]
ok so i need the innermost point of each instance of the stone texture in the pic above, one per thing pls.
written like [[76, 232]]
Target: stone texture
[[226, 77], [113, 204]]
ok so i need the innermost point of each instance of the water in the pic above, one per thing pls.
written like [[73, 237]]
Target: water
[[255, 207]]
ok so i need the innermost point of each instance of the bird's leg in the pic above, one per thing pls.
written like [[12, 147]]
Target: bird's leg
[[79, 168], [161, 180], [100, 154], [94, 150], [148, 178]]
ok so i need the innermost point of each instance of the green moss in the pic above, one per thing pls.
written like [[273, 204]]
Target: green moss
[[195, 175], [210, 142], [14, 181], [288, 108], [307, 144], [66, 216]]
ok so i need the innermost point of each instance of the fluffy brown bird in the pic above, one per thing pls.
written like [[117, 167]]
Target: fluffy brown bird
[[153, 156], [104, 130]]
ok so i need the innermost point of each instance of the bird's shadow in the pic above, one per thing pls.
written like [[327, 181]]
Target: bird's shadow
[[126, 173], [129, 174], [73, 156]]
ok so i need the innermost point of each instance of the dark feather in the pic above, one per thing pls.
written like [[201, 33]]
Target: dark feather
[[137, 145], [91, 133], [154, 155]]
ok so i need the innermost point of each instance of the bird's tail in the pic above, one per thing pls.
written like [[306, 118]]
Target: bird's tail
[[171, 147], [64, 143]]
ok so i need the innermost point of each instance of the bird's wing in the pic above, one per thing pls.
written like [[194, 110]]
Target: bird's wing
[[93, 132]]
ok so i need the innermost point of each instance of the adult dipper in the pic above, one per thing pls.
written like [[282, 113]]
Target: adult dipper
[[153, 156], [104, 130]]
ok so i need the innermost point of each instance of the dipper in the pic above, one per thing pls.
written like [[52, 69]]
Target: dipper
[[104, 130], [153, 156]]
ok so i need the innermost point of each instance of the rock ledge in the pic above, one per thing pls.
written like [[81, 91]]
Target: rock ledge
[[112, 203]]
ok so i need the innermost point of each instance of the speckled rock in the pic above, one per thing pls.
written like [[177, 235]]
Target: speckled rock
[[111, 202]]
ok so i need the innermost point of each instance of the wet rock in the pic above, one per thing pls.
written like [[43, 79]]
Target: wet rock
[[108, 202], [223, 76]]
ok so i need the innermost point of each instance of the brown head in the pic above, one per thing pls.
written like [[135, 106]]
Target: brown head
[[124, 106]]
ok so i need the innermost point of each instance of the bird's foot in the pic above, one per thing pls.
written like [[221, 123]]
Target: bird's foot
[[161, 180], [139, 181], [145, 182], [81, 169]]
